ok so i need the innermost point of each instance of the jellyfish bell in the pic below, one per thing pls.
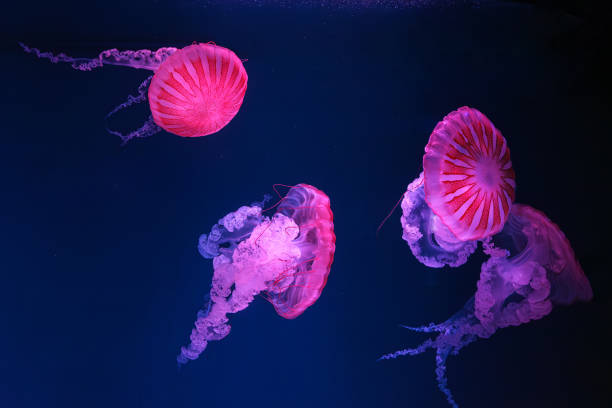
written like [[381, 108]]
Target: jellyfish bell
[[194, 91], [286, 258], [197, 90], [468, 176]]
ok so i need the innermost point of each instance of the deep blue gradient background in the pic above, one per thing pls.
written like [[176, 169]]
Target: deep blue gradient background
[[101, 278]]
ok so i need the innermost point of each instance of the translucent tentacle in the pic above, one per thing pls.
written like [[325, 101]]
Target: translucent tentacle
[[429, 328], [455, 333], [82, 64], [410, 351], [441, 355], [149, 128], [140, 59], [132, 100]]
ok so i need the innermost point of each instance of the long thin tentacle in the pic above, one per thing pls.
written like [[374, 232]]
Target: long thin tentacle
[[149, 128]]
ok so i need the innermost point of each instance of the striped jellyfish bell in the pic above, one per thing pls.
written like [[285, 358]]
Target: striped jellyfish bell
[[197, 90], [468, 175]]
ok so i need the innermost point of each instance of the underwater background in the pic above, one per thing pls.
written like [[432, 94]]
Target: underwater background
[[101, 277]]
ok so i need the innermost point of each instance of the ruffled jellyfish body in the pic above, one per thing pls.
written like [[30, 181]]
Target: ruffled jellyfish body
[[195, 91], [286, 258], [430, 241], [535, 270], [469, 180], [531, 269]]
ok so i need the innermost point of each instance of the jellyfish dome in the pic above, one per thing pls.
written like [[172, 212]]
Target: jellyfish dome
[[194, 91], [468, 175], [286, 258], [197, 90]]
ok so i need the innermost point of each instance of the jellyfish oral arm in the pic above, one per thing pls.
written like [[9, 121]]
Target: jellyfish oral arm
[[261, 258], [140, 59], [455, 333], [285, 258], [430, 241], [531, 268]]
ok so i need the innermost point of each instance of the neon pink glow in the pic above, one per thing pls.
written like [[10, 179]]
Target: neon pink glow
[[469, 180], [197, 90]]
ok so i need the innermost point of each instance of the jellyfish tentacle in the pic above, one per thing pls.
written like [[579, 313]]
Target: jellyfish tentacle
[[140, 59], [430, 241], [421, 348], [441, 355], [455, 333], [225, 236], [149, 128], [81, 64], [531, 268], [131, 99], [428, 328]]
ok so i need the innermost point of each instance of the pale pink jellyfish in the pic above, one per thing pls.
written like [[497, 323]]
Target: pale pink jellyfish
[[286, 258], [465, 195], [194, 91]]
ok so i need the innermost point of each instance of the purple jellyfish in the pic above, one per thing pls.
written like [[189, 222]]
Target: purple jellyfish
[[531, 266], [286, 258]]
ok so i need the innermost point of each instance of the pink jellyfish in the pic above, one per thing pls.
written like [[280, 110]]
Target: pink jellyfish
[[469, 180], [286, 258], [194, 91], [531, 267], [465, 192]]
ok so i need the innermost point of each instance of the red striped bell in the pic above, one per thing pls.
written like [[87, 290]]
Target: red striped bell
[[197, 90], [468, 175]]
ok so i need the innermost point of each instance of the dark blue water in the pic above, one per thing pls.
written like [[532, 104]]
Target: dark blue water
[[101, 278]]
